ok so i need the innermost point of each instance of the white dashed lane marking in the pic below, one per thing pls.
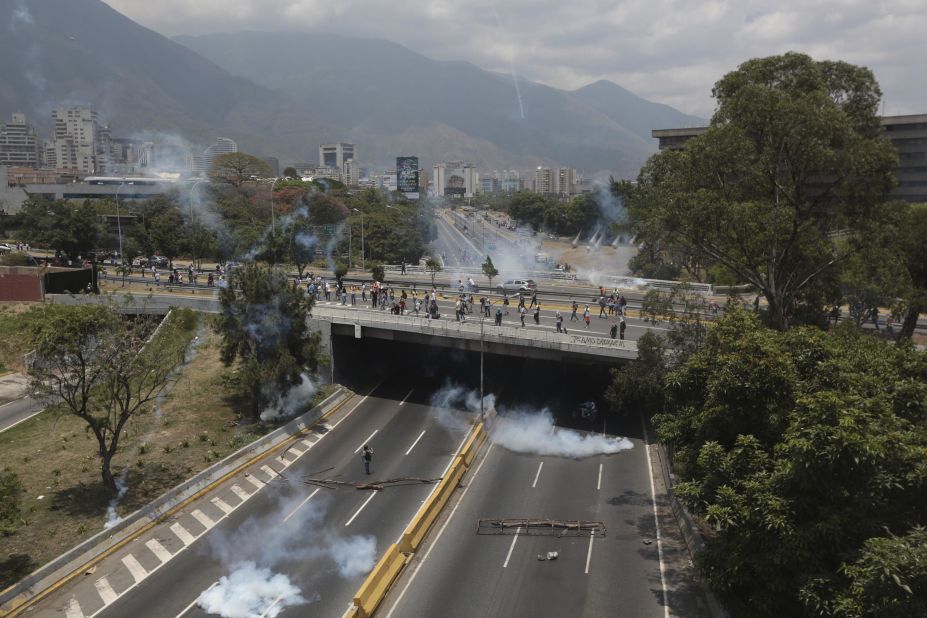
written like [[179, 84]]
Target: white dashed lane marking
[[297, 452], [135, 568], [106, 591], [269, 471], [254, 481], [203, 518], [181, 533], [283, 462], [222, 505], [158, 550]]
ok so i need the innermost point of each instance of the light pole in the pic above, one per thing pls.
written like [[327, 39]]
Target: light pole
[[482, 317], [190, 204], [273, 223], [122, 258], [363, 249]]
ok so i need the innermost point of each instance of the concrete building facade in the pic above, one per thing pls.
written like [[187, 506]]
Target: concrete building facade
[[907, 133], [456, 178], [334, 155], [81, 143], [19, 144]]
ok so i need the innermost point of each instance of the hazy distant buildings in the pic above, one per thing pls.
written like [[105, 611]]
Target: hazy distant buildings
[[334, 155], [456, 178], [19, 144], [350, 173], [907, 133], [561, 181], [80, 143], [200, 164]]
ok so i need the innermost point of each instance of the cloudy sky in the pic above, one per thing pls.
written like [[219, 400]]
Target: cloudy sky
[[665, 50]]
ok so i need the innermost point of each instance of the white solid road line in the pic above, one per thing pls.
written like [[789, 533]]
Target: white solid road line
[[367, 441], [508, 556], [22, 420], [296, 452], [73, 610], [372, 494], [434, 543], [589, 553], [598, 485], [535, 483], [135, 567], [194, 601], [106, 591], [308, 498], [416, 442], [181, 533], [356, 406], [406, 397], [656, 520], [158, 550]]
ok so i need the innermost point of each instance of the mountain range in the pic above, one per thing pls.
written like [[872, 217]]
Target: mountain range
[[283, 93]]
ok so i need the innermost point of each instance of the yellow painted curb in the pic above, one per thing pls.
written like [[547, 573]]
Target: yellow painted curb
[[23, 605]]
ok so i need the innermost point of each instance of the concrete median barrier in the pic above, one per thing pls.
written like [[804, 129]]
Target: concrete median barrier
[[373, 590], [417, 529]]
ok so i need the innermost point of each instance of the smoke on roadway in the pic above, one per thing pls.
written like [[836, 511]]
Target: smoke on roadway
[[122, 486], [258, 552], [293, 401], [520, 429]]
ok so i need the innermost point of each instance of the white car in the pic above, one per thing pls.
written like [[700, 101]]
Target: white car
[[517, 285]]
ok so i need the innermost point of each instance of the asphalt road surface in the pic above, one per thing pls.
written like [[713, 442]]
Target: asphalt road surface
[[14, 412], [464, 573], [300, 520]]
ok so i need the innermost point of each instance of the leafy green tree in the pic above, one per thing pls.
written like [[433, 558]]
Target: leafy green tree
[[433, 267], [237, 168], [340, 270], [71, 228], [489, 270], [103, 369], [301, 243], [377, 273], [799, 449], [167, 229], [527, 208], [794, 152], [263, 325], [326, 209], [199, 241], [290, 172], [639, 387]]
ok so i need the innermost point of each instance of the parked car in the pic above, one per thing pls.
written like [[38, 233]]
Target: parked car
[[5, 247], [518, 285], [159, 261]]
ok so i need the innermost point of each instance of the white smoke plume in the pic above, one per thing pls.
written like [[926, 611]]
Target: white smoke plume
[[112, 517], [293, 401], [534, 431], [520, 429], [259, 548], [250, 591]]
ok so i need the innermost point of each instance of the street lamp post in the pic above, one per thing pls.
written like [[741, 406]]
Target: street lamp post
[[273, 223], [190, 204], [482, 317], [122, 257]]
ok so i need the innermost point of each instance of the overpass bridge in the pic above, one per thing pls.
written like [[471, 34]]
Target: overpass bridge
[[362, 322]]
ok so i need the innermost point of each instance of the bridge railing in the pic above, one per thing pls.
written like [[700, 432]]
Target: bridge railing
[[471, 329]]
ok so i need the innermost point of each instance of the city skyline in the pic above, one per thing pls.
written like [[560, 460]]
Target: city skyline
[[660, 50]]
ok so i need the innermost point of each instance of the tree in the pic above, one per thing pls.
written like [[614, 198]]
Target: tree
[[103, 368], [433, 266], [199, 241], [167, 233], [377, 273], [489, 270], [802, 449], [794, 153], [301, 243], [72, 229], [639, 386], [340, 270], [290, 172], [264, 325], [237, 168], [326, 209]]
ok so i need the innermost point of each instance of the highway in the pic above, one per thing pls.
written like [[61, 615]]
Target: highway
[[283, 524], [463, 572]]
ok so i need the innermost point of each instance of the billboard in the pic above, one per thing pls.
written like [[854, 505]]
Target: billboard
[[407, 175]]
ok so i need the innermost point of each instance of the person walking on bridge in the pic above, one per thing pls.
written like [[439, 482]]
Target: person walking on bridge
[[522, 312], [573, 316], [559, 322], [621, 328], [587, 316]]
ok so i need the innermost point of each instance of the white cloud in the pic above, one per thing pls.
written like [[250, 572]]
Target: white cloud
[[666, 50]]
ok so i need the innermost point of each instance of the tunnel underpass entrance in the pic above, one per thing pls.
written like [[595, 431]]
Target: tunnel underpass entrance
[[516, 382]]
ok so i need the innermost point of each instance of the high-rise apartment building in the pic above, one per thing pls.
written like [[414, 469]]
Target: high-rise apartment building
[[80, 142], [350, 173], [19, 145], [334, 155], [562, 181], [545, 182], [200, 164]]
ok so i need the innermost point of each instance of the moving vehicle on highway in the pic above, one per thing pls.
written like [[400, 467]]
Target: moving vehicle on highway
[[518, 285]]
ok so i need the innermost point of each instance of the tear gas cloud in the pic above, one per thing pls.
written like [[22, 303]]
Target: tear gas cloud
[[258, 549], [293, 401], [122, 486], [520, 429]]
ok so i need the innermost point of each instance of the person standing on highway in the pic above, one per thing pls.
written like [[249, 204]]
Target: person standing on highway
[[367, 456], [157, 277], [498, 317], [522, 312], [587, 316], [602, 313], [613, 330], [559, 322], [573, 316], [621, 328], [622, 303], [534, 298], [537, 314], [364, 292]]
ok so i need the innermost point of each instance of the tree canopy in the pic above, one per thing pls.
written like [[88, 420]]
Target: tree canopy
[[805, 452], [237, 168], [794, 153]]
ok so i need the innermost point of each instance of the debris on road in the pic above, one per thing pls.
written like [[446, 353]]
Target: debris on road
[[551, 555], [529, 526], [370, 485]]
